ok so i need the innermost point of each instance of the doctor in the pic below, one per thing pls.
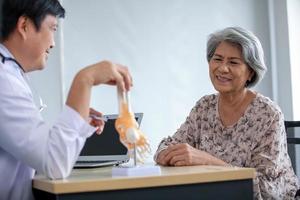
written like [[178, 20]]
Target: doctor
[[27, 142]]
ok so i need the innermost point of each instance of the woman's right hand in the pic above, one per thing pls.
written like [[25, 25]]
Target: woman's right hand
[[161, 158], [186, 155]]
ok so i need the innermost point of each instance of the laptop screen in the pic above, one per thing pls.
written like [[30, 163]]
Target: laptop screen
[[108, 142]]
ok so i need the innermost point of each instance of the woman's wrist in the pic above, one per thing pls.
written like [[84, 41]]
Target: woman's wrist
[[217, 161]]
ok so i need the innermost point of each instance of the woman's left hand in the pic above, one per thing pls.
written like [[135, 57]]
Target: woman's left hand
[[185, 155], [98, 123]]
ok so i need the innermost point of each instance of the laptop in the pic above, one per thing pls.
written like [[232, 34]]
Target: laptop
[[105, 149]]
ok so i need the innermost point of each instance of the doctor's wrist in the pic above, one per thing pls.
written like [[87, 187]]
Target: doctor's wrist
[[84, 79]]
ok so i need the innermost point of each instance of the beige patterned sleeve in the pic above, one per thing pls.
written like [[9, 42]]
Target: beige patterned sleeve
[[185, 134], [269, 159]]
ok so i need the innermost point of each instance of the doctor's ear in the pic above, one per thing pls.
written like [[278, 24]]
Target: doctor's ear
[[22, 26]]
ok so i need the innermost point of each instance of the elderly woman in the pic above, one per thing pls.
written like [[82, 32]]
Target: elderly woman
[[236, 126]]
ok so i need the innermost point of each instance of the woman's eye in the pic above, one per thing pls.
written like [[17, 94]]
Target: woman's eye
[[234, 63], [217, 59]]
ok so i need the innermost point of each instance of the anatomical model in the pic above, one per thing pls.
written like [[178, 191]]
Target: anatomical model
[[130, 134]]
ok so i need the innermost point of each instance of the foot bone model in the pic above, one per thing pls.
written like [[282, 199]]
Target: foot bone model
[[130, 134]]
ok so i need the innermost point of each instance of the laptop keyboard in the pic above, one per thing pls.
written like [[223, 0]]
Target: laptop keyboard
[[93, 161]]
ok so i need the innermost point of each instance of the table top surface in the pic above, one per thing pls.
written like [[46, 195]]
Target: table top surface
[[101, 179]]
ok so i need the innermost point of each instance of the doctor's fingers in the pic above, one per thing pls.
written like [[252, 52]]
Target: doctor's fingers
[[95, 112], [99, 124], [126, 79], [104, 72], [118, 75], [96, 119]]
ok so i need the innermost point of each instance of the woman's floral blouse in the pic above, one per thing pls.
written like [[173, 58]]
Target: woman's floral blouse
[[257, 140]]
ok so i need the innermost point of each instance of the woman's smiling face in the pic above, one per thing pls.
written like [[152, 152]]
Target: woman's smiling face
[[227, 68]]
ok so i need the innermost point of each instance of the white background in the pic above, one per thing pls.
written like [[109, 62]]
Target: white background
[[163, 42], [164, 45]]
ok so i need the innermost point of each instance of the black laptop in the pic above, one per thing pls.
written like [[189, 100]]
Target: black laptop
[[105, 149]]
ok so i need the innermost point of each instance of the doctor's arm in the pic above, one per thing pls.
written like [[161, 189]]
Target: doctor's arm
[[104, 72], [78, 102], [52, 150]]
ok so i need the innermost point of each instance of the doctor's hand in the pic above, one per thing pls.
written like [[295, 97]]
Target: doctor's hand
[[96, 121], [186, 155], [104, 72]]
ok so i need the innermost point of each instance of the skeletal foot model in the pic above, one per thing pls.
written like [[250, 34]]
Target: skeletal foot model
[[130, 134]]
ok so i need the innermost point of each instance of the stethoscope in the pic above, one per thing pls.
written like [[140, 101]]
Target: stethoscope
[[4, 59]]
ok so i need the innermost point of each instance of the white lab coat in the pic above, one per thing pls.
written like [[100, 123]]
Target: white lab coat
[[27, 143]]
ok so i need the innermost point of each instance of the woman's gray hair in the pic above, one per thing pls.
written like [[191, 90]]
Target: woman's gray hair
[[252, 50]]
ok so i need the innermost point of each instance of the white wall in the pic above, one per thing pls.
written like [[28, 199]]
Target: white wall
[[293, 7], [163, 43], [280, 51]]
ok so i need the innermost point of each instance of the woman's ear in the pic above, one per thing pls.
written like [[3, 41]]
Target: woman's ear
[[252, 73], [250, 77]]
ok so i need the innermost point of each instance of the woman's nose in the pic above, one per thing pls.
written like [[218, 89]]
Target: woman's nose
[[223, 67]]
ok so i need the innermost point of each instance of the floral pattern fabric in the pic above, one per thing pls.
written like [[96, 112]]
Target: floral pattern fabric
[[257, 140]]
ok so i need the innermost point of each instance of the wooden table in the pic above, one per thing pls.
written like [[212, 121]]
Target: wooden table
[[195, 182]]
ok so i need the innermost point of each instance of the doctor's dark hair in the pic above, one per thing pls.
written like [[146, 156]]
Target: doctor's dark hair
[[36, 10], [252, 50]]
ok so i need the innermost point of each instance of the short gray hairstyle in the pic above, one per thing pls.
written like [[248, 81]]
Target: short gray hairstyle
[[252, 50]]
